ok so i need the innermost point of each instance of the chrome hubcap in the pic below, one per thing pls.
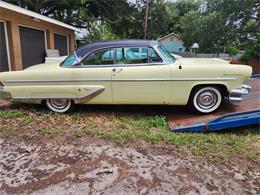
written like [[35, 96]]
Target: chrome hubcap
[[207, 99], [59, 103]]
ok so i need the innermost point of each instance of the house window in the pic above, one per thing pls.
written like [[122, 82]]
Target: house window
[[180, 49]]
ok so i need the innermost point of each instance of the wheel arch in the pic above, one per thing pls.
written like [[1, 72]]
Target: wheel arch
[[43, 101], [221, 86]]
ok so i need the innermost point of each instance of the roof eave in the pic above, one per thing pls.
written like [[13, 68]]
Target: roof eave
[[167, 36], [37, 16]]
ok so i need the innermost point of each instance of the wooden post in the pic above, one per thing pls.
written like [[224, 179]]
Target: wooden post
[[15, 46], [146, 18]]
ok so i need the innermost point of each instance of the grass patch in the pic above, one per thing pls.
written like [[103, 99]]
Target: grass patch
[[44, 131], [27, 120], [9, 129], [11, 114], [132, 127], [79, 133], [28, 136], [217, 146]]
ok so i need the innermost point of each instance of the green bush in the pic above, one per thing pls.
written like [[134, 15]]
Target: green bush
[[232, 50], [252, 51]]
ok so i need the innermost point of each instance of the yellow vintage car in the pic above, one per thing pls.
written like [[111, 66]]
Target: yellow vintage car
[[127, 72]]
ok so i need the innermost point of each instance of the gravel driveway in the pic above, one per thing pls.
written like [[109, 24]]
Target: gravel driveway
[[95, 168]]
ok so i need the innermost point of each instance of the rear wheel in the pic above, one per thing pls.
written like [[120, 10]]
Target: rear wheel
[[59, 105], [205, 99]]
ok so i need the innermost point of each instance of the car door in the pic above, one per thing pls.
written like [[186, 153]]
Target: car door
[[140, 77], [95, 71]]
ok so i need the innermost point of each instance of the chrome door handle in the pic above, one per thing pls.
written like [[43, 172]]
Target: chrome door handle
[[117, 70]]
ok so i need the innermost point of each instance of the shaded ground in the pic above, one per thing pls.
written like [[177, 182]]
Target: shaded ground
[[120, 150], [107, 168]]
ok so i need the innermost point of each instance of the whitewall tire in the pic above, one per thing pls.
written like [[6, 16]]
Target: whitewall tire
[[206, 99], [59, 105]]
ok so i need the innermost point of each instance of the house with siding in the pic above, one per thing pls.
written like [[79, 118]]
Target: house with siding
[[25, 36], [172, 43]]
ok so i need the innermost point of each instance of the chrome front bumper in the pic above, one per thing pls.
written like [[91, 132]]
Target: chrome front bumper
[[4, 95], [236, 95]]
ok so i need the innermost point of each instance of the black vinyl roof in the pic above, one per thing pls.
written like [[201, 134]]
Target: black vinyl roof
[[82, 51]]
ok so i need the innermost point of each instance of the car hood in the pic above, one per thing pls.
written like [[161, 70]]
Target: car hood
[[203, 61]]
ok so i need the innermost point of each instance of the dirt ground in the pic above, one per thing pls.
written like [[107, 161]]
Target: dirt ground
[[103, 167], [67, 165]]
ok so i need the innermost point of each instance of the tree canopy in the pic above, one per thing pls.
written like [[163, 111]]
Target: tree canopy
[[217, 25]]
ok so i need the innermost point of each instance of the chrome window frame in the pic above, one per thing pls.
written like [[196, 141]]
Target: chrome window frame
[[90, 53], [157, 47], [154, 47], [71, 66], [140, 64]]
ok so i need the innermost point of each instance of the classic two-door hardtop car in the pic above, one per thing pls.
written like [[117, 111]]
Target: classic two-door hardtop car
[[127, 72]]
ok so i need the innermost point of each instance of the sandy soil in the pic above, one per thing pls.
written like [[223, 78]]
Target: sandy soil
[[106, 168]]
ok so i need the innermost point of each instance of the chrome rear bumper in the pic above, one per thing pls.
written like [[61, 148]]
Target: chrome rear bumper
[[4, 95], [236, 95]]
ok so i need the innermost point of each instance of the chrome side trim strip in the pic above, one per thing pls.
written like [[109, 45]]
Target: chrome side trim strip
[[77, 100], [119, 65], [57, 80], [123, 80], [204, 79], [89, 96]]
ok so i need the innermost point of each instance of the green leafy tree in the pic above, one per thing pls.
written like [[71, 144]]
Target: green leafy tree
[[238, 20], [99, 31], [252, 51], [217, 25]]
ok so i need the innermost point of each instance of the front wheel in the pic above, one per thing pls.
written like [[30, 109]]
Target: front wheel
[[59, 105], [205, 99]]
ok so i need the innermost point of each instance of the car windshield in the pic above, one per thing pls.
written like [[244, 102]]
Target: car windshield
[[166, 54], [69, 61]]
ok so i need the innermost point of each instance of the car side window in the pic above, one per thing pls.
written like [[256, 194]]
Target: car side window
[[153, 56], [136, 55], [102, 57], [119, 56], [130, 55]]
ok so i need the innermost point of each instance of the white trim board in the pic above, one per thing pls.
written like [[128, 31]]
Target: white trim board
[[36, 15], [7, 45]]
